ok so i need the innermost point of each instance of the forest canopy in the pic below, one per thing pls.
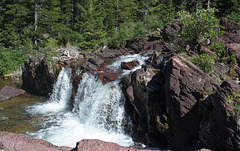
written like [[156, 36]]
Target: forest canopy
[[32, 27]]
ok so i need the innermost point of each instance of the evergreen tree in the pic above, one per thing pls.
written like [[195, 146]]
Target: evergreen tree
[[18, 23], [90, 24], [110, 17]]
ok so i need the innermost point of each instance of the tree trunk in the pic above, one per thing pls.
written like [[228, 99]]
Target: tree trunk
[[208, 4], [35, 22]]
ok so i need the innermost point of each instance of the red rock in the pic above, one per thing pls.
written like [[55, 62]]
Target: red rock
[[234, 46], [109, 53], [203, 49], [232, 31], [38, 77], [98, 145], [107, 77], [16, 142], [220, 129], [129, 65], [7, 92], [185, 85], [96, 61]]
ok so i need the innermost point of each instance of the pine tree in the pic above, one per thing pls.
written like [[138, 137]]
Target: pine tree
[[90, 24], [109, 17], [18, 23]]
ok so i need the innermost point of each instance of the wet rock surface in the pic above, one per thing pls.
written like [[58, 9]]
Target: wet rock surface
[[8, 92], [129, 65]]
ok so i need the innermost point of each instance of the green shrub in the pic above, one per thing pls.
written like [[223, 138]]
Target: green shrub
[[219, 48], [234, 16], [205, 62], [233, 103], [10, 60], [200, 26]]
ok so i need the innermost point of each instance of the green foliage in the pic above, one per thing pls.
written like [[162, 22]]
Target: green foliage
[[35, 26], [205, 62], [233, 103], [200, 26], [234, 16], [10, 60], [90, 24], [120, 37], [219, 48], [127, 32], [139, 30]]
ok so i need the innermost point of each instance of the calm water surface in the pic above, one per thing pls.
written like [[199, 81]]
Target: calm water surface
[[13, 117]]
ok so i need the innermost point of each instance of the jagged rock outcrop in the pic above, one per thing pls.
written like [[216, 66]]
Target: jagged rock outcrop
[[180, 106], [145, 104], [38, 78], [219, 128], [185, 86], [8, 92], [232, 31]]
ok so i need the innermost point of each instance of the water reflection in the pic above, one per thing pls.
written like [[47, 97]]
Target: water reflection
[[13, 117]]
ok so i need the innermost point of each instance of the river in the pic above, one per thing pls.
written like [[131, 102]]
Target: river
[[97, 111]]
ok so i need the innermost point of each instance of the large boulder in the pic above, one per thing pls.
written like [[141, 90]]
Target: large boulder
[[98, 145], [170, 33], [8, 92], [16, 142], [185, 86], [129, 65], [145, 104], [38, 78], [163, 102]]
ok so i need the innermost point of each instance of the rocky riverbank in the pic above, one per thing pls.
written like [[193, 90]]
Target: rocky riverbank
[[172, 103]]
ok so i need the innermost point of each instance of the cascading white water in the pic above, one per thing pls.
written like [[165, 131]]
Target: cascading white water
[[98, 110], [59, 99], [116, 65], [100, 106]]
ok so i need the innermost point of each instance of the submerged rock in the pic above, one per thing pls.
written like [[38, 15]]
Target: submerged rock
[[8, 92]]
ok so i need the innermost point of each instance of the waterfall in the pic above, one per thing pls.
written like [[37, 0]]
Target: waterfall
[[98, 113], [116, 65], [98, 105], [59, 99], [98, 109]]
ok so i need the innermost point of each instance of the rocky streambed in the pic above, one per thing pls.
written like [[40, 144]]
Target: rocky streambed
[[172, 103]]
